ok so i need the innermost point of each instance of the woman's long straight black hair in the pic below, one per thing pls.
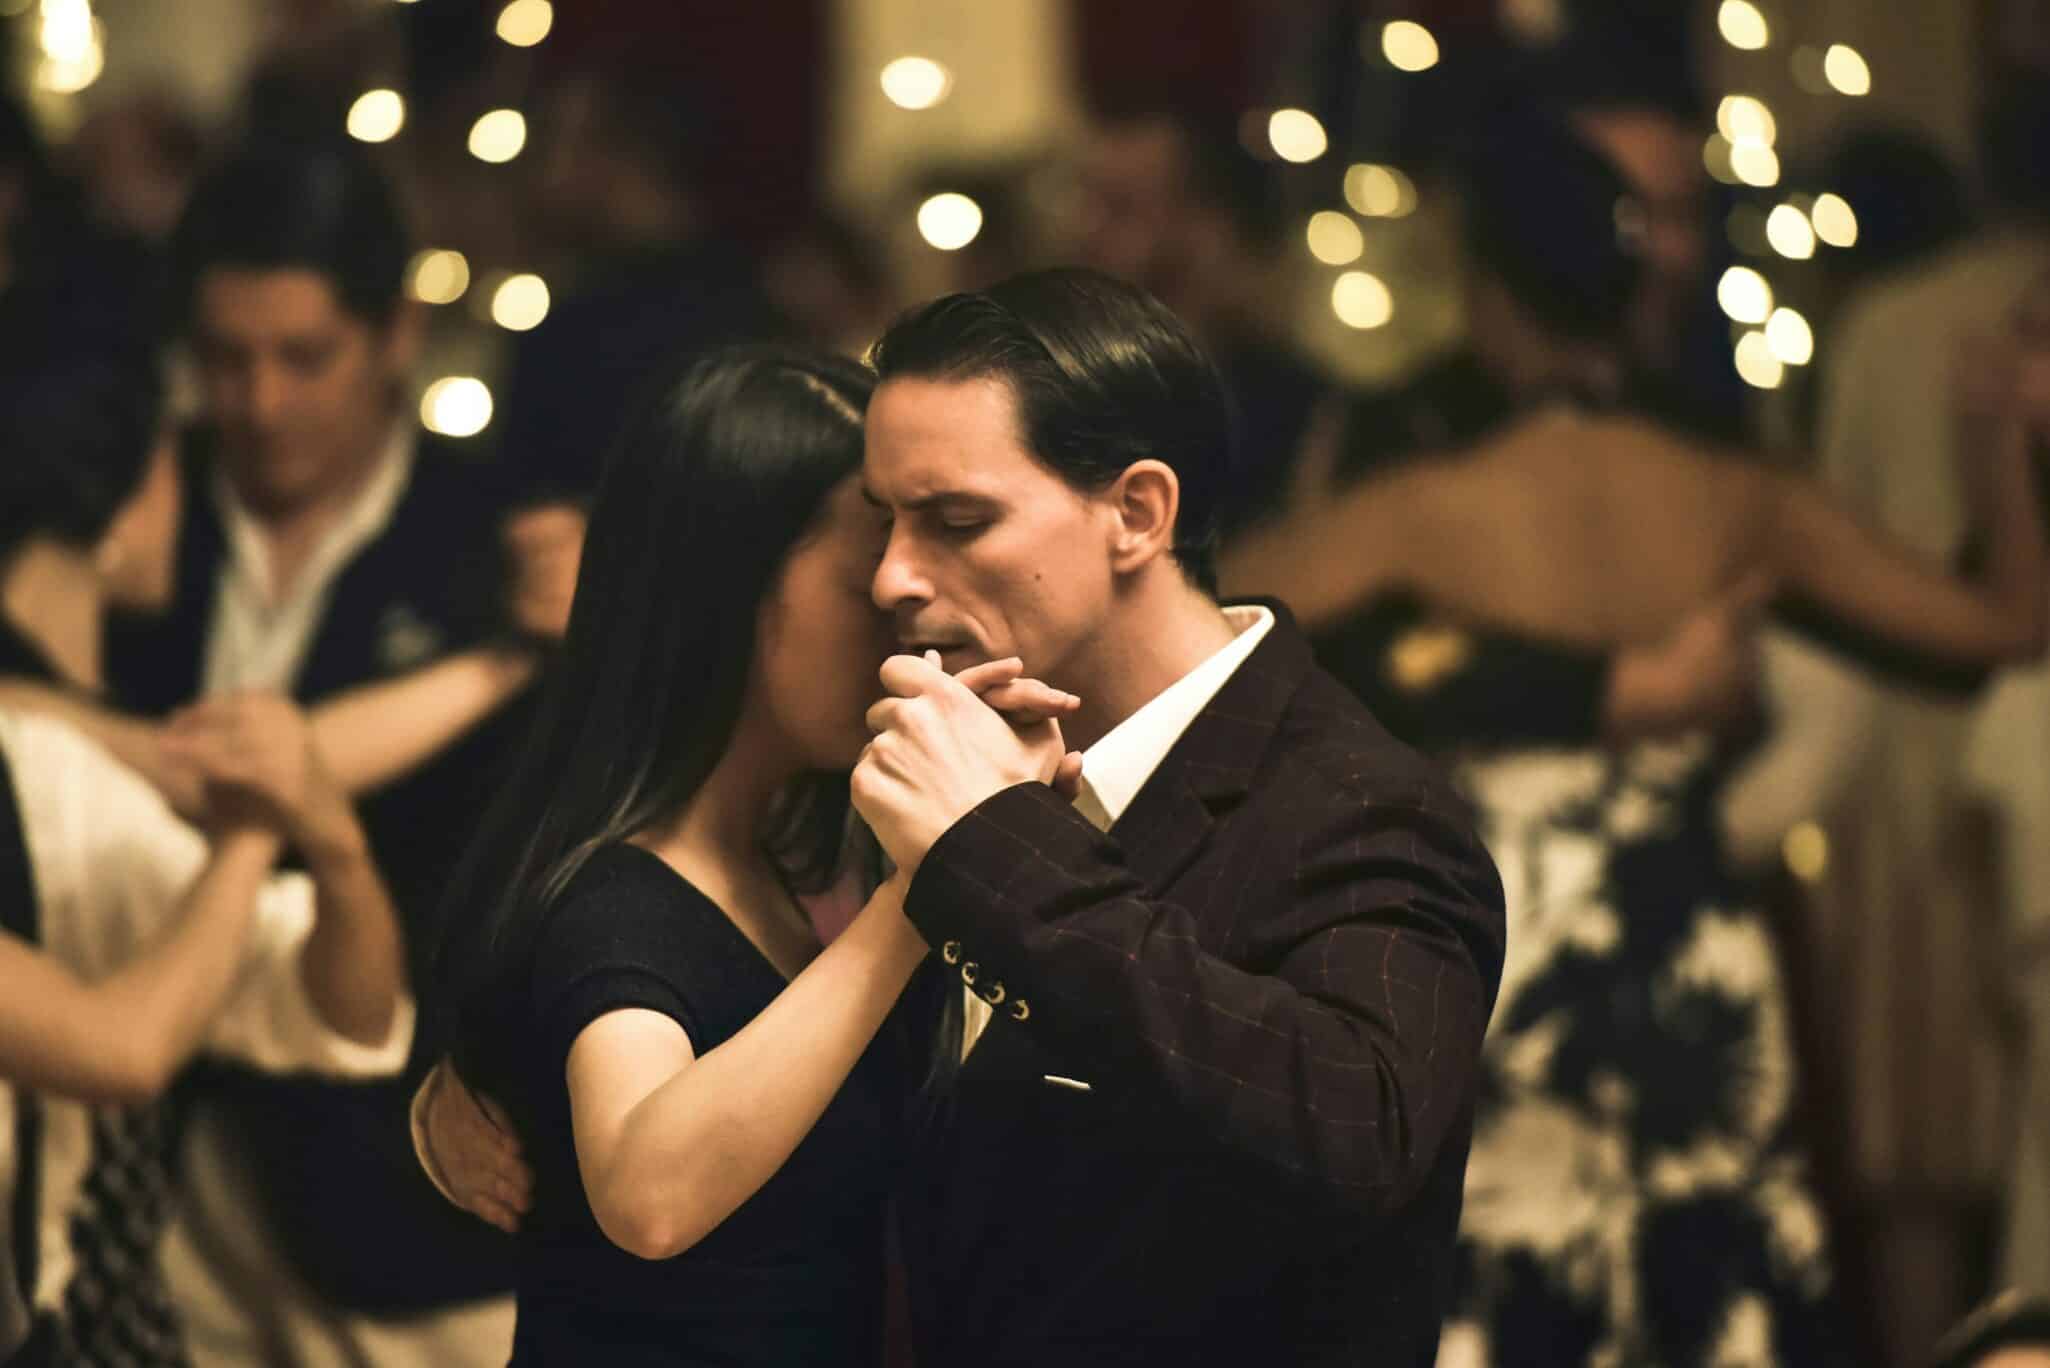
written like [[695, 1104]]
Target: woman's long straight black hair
[[719, 473]]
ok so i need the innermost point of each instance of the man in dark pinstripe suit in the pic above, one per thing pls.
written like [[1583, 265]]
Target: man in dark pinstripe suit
[[1222, 1013]]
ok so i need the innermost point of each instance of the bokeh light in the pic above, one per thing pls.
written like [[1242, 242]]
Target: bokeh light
[[1834, 222], [520, 303], [1379, 191], [1334, 238], [524, 23], [949, 221], [1409, 46], [1295, 135], [1845, 70], [498, 136], [456, 406], [1742, 26], [1755, 164], [438, 276], [1790, 233], [1744, 295], [1791, 339], [916, 82], [1745, 119], [1361, 300], [377, 116], [1756, 365]]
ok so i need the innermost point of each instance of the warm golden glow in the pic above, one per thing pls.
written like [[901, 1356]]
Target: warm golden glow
[[1834, 222], [1745, 119], [1789, 336], [520, 303], [524, 23], [1806, 852], [1846, 71], [1295, 135], [1742, 26], [949, 221], [498, 136], [916, 82], [456, 406], [1361, 300], [1789, 232], [1409, 46], [1755, 164], [1379, 191], [438, 277], [1755, 362], [1744, 295], [1334, 238], [377, 116]]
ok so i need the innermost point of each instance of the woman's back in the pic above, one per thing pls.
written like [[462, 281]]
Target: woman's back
[[1580, 528], [795, 1273]]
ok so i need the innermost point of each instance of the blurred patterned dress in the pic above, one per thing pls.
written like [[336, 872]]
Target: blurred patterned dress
[[1634, 1195]]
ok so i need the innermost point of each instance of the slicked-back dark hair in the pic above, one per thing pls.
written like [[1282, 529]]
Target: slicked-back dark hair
[[1103, 375], [295, 203]]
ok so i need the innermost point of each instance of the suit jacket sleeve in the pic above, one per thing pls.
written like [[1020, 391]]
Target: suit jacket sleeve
[[1333, 1055]]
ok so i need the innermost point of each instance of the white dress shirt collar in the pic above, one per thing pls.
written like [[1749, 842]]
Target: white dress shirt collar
[[1120, 763], [259, 636]]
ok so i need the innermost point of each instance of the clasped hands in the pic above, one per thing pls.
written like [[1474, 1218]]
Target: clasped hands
[[946, 743], [254, 760]]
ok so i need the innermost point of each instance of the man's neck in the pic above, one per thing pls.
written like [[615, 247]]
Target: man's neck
[[53, 598], [291, 530], [1157, 634]]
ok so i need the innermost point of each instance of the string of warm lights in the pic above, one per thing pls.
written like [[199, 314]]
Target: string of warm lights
[[461, 405], [1770, 337], [1359, 298], [948, 220]]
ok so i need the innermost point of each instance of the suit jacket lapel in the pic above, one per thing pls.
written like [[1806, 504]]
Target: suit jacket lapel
[[1208, 770]]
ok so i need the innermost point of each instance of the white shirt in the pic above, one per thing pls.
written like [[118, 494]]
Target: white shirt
[[111, 863], [1124, 758], [260, 636]]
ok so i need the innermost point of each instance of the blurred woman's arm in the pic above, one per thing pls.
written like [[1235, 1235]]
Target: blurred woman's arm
[[368, 735], [1814, 548], [124, 1037]]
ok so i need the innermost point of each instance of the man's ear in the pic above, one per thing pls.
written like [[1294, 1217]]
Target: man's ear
[[1144, 502]]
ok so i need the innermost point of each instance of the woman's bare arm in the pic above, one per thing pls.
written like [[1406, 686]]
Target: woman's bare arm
[[124, 1037], [1813, 546], [671, 1143]]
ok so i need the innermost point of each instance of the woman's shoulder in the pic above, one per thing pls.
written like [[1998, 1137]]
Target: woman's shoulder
[[624, 902]]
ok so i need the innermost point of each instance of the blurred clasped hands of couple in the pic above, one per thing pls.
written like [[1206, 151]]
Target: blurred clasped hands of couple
[[250, 761]]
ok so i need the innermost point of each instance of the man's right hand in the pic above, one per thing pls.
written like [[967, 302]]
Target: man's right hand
[[467, 1144]]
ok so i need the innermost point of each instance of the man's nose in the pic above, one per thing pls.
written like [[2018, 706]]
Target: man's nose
[[899, 580], [265, 395]]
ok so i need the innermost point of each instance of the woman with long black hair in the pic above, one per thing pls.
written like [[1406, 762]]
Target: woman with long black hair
[[698, 1086]]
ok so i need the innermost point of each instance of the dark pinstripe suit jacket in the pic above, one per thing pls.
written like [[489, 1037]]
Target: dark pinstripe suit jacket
[[1273, 975]]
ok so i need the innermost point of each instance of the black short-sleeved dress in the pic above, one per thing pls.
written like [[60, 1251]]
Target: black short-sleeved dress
[[795, 1275]]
